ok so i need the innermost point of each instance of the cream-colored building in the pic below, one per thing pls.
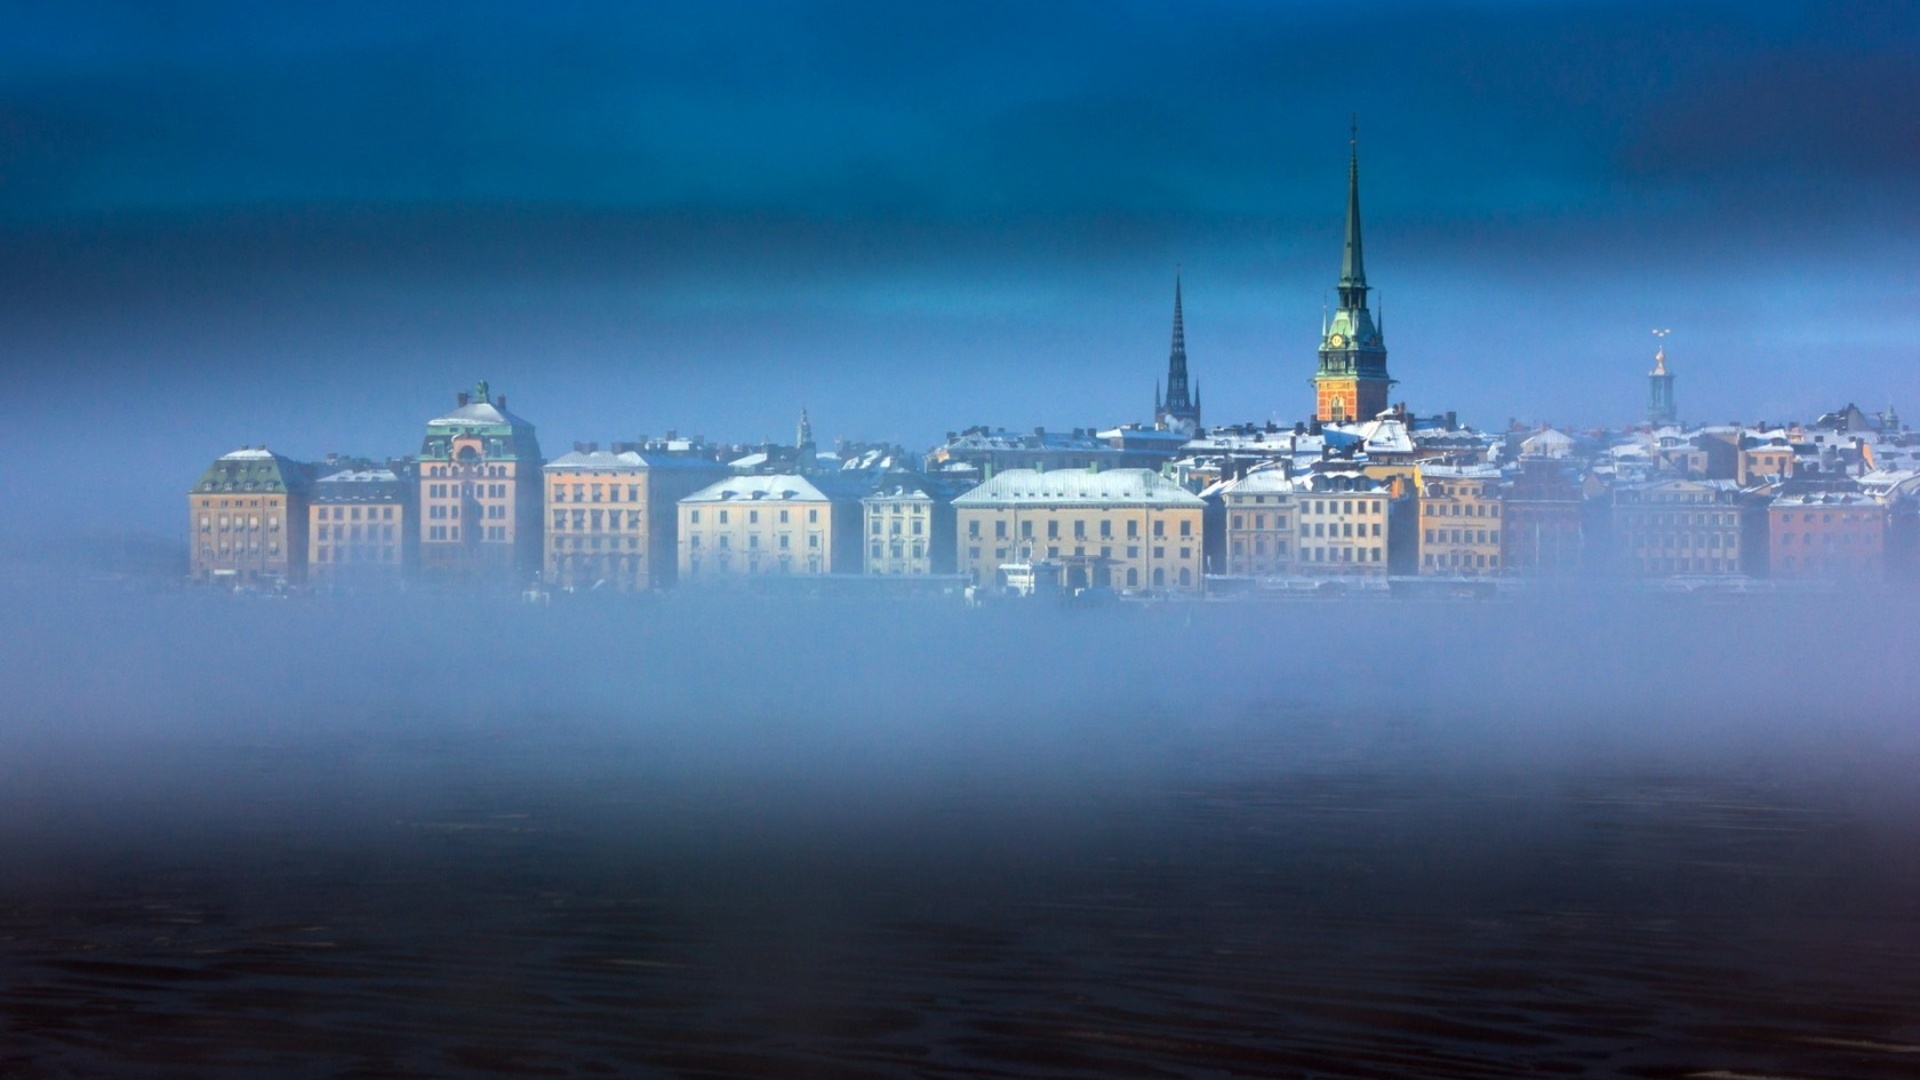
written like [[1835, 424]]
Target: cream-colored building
[[247, 515], [1261, 515], [1460, 519], [1128, 529], [1342, 524], [613, 518], [909, 526], [784, 523]]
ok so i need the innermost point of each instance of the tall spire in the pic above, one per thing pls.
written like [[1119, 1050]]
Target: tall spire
[[1353, 270], [1178, 404], [1179, 325]]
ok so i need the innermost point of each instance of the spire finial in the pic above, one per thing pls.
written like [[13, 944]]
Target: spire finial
[[1660, 354], [1353, 273]]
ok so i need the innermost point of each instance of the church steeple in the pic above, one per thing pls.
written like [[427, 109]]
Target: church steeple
[[1353, 267], [1179, 407], [1352, 381]]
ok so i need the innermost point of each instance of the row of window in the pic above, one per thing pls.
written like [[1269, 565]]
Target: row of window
[[1643, 521], [1459, 560], [354, 532], [1687, 565], [1280, 523], [452, 532], [1460, 509], [1339, 529], [1053, 552], [753, 517], [466, 491], [1685, 540], [595, 520], [580, 543], [1339, 554], [1785, 517], [1342, 506], [451, 512], [237, 522], [373, 513], [725, 541], [916, 523], [724, 564], [207, 551], [897, 550], [1845, 539], [448, 470], [1463, 536], [1079, 529], [325, 554], [595, 492]]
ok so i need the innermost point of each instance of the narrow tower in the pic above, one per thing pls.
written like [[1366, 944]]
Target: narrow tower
[[1660, 410], [1352, 383], [1180, 411]]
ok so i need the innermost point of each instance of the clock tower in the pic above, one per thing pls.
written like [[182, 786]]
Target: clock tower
[[1352, 381]]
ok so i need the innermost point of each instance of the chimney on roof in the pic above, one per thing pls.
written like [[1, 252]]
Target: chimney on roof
[[503, 403], [462, 398]]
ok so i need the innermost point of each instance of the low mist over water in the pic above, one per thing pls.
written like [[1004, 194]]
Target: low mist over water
[[1579, 834]]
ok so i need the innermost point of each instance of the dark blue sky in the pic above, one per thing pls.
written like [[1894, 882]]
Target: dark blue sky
[[226, 223]]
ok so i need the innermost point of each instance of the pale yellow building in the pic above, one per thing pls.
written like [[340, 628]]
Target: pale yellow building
[[1342, 521], [1460, 522], [909, 526], [247, 519], [612, 516], [1261, 516], [1127, 529], [785, 523]]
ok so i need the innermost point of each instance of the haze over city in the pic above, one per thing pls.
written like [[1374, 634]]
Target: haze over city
[[1550, 725], [301, 229]]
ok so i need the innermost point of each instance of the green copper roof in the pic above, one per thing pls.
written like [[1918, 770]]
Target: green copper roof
[[251, 470], [508, 437]]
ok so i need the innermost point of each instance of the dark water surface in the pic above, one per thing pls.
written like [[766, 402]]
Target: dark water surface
[[462, 913], [1107, 886]]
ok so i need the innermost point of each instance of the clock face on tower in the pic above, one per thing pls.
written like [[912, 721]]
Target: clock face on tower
[[1337, 341]]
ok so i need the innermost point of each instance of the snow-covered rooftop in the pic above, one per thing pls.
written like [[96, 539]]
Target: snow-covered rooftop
[[774, 487], [1114, 487]]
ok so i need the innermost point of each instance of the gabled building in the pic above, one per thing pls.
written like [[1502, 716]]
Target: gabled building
[[247, 519], [909, 525], [1126, 529], [479, 481], [1260, 522]]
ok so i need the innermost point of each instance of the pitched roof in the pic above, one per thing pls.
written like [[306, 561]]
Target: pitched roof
[[1115, 487]]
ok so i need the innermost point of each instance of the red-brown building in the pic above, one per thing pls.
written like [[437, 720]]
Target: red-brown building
[[1827, 534]]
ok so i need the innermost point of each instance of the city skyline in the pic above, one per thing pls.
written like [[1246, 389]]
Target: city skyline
[[201, 220]]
